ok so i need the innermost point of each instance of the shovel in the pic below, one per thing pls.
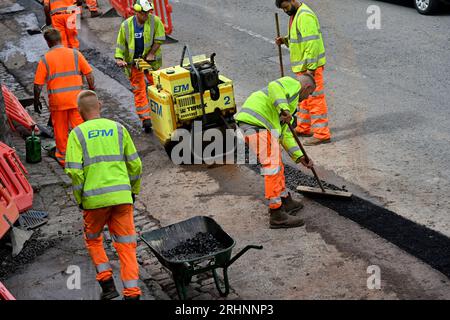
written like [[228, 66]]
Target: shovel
[[18, 237], [317, 191]]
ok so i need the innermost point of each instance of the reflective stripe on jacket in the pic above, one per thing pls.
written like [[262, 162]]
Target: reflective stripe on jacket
[[153, 32], [263, 107], [103, 164], [305, 41]]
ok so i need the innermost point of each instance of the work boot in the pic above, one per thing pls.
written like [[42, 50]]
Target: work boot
[[132, 297], [290, 205], [315, 141], [147, 125], [279, 219], [108, 289], [95, 14], [304, 135]]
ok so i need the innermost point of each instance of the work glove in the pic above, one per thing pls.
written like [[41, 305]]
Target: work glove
[[285, 117], [38, 106], [303, 161], [133, 196]]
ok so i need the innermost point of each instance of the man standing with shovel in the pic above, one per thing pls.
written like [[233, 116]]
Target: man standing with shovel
[[307, 54]]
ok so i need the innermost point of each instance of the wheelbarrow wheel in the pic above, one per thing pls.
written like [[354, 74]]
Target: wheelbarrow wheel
[[224, 289]]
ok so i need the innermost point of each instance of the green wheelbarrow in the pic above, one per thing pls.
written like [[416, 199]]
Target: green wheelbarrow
[[162, 240]]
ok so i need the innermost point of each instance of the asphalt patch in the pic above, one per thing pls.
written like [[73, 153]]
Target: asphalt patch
[[428, 245], [33, 248]]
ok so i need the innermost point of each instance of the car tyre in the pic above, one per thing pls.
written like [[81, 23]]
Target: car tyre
[[427, 7]]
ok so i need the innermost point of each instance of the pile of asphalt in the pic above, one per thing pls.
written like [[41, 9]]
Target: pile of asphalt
[[203, 244], [33, 248], [107, 65], [428, 245]]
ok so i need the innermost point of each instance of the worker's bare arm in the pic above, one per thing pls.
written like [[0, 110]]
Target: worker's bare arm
[[91, 81], [37, 94]]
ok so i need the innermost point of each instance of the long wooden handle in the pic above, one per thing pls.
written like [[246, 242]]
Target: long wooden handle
[[279, 46], [306, 156]]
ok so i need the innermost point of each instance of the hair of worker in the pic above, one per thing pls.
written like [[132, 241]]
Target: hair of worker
[[52, 35], [279, 2], [84, 105]]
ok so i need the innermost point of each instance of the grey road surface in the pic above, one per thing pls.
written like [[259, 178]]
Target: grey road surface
[[387, 91]]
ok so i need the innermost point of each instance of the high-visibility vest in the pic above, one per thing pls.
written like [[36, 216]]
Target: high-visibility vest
[[307, 51], [103, 164], [64, 77], [65, 6], [262, 109], [153, 32]]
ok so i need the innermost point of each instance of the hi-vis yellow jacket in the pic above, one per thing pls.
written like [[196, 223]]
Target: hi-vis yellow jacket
[[305, 41], [262, 109], [103, 164], [153, 32]]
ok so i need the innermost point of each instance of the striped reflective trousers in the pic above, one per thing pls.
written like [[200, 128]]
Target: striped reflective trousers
[[67, 26], [313, 112], [267, 148], [63, 121], [121, 227], [139, 88]]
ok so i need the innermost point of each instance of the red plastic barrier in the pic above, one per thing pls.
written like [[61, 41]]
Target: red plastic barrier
[[12, 177], [162, 9], [5, 294], [16, 112], [8, 211], [123, 7]]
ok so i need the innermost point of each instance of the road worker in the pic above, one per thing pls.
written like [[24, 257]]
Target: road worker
[[307, 54], [62, 69], [92, 6], [105, 169], [62, 15], [140, 36], [263, 122]]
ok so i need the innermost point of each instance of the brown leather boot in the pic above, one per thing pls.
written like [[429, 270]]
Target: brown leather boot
[[108, 289], [95, 14], [314, 141], [290, 205], [281, 219]]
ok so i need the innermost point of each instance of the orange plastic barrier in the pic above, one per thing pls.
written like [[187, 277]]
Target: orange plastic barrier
[[5, 294], [15, 112], [162, 9], [8, 211], [123, 7], [12, 177]]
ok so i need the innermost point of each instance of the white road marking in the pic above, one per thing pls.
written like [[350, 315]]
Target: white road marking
[[249, 32]]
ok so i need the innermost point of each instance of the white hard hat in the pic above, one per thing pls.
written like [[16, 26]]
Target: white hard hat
[[143, 5]]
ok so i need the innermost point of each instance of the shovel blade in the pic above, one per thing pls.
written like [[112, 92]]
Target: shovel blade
[[18, 239], [319, 192]]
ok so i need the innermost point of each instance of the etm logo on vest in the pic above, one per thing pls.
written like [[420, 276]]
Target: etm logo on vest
[[100, 133]]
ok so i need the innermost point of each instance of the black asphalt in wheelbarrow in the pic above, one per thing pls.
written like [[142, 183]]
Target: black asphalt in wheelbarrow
[[167, 238]]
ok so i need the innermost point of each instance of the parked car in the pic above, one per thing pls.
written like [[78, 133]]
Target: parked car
[[429, 6]]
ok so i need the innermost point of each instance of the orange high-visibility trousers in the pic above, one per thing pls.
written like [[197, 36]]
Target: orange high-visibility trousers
[[268, 150], [139, 88], [64, 121], [313, 112], [67, 26], [92, 5], [121, 227]]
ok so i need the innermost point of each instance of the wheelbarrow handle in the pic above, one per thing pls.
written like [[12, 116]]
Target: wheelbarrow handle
[[237, 256]]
